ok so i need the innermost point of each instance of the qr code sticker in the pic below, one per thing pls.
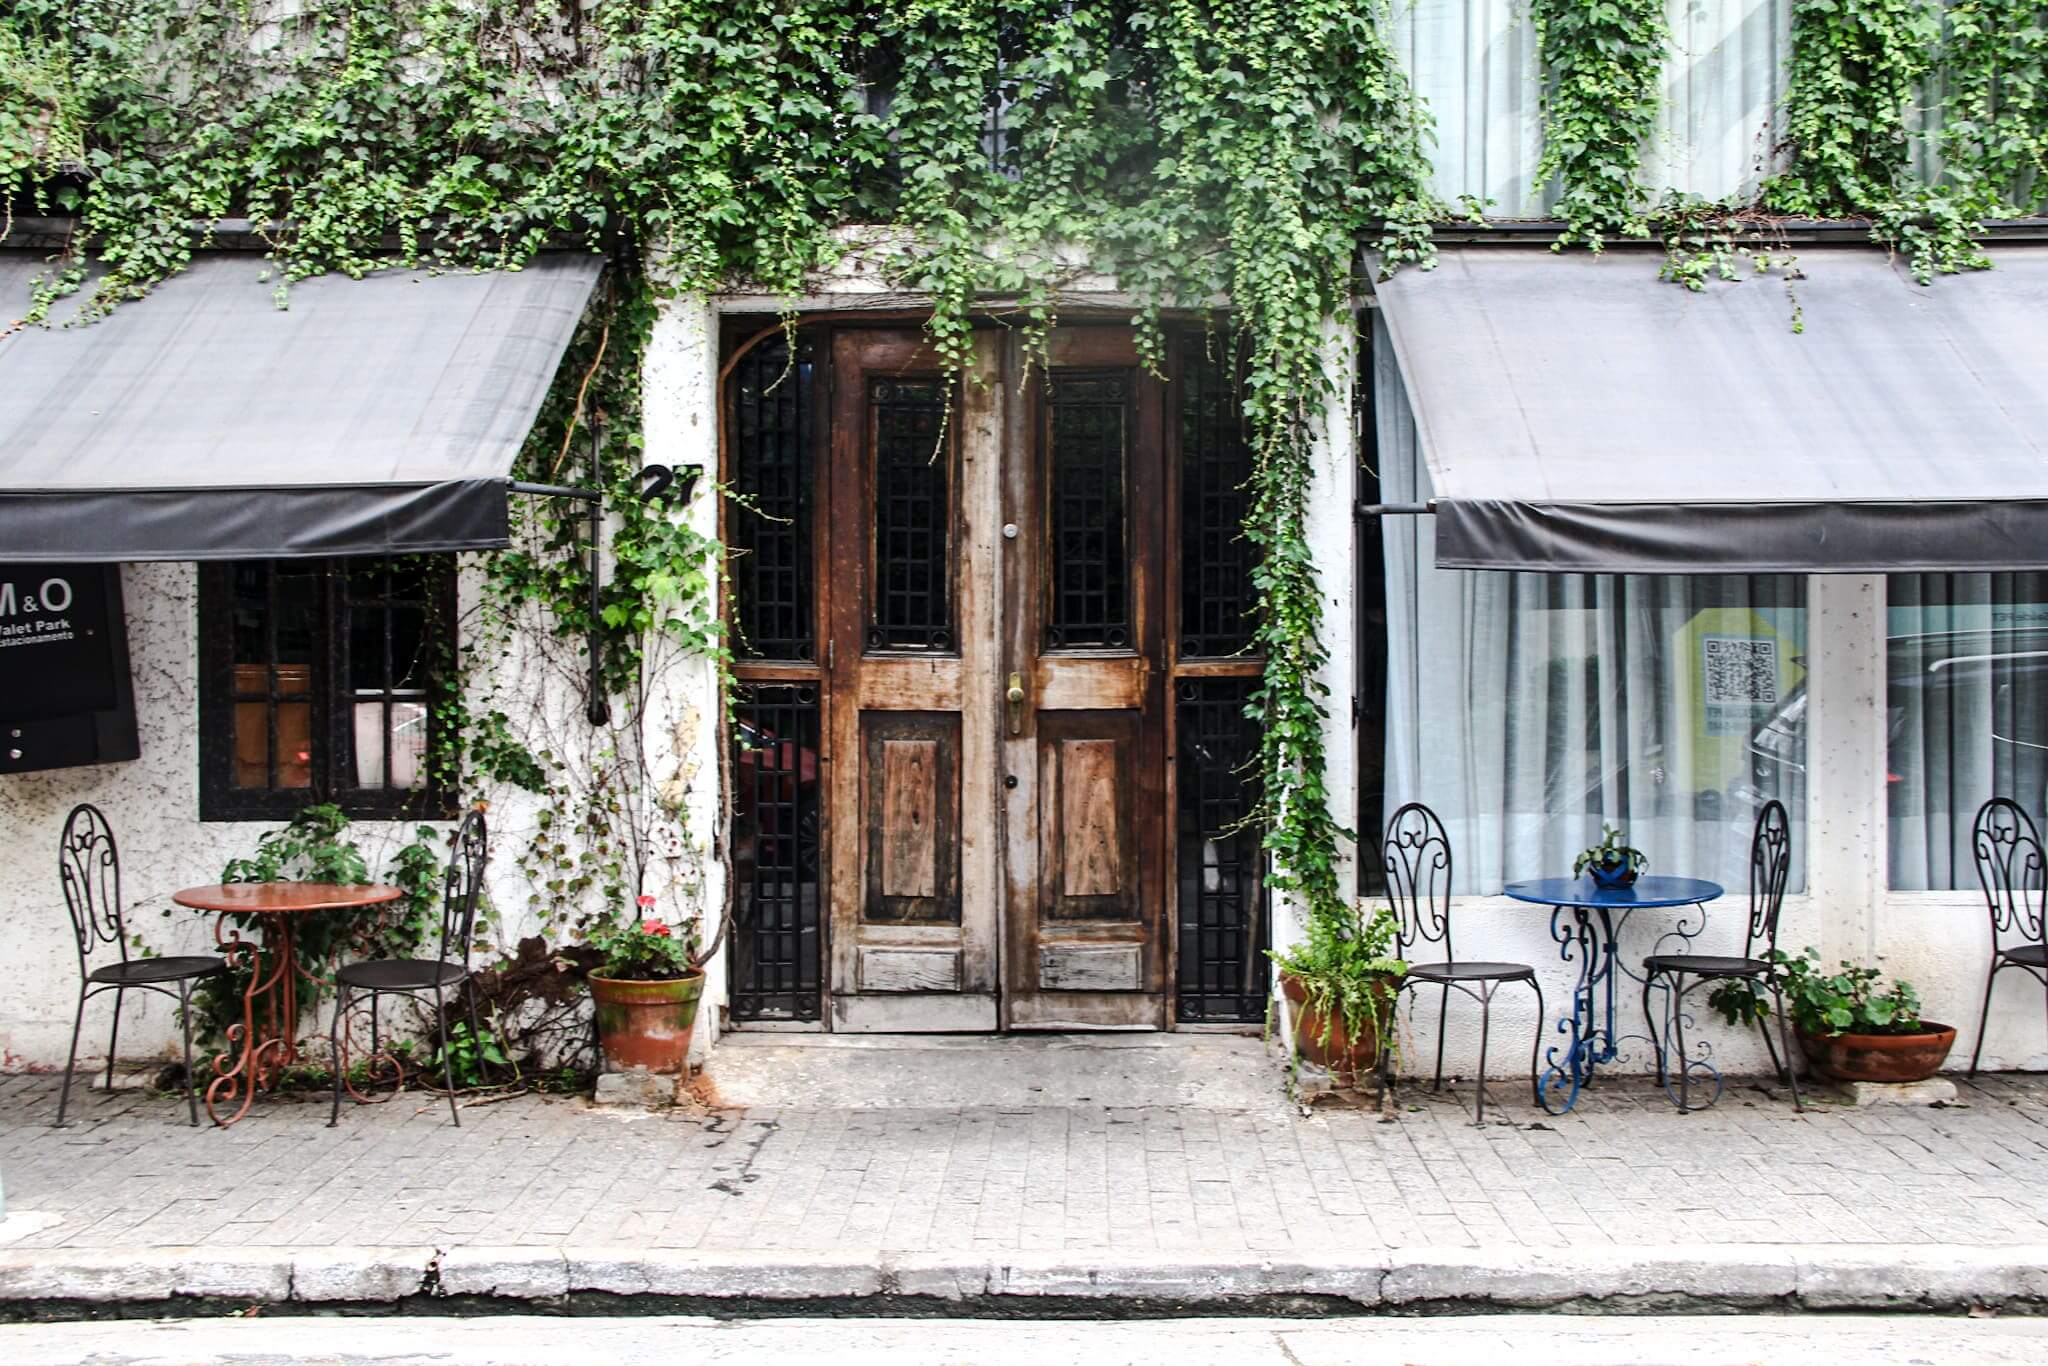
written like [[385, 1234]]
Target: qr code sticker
[[1741, 672]]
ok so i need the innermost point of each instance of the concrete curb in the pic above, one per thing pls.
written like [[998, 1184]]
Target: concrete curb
[[58, 1284]]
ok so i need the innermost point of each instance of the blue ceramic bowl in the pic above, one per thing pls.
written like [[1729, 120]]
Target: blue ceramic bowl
[[1612, 875]]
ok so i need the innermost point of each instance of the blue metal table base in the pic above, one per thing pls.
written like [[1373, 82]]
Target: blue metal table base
[[1587, 932]]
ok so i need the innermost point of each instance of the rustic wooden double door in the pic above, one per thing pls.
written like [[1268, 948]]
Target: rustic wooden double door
[[994, 662]]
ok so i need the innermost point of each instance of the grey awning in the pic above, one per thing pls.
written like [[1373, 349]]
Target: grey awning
[[1578, 413], [371, 416]]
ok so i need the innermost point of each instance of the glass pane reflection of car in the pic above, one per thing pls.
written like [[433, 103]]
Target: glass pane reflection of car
[[1935, 682]]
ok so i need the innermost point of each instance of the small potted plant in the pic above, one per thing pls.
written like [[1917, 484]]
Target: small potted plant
[[1340, 982], [1612, 862], [646, 991], [1852, 1025]]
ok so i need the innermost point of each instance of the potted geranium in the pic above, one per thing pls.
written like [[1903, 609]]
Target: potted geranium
[[1613, 862], [1340, 982], [646, 991], [1852, 1025]]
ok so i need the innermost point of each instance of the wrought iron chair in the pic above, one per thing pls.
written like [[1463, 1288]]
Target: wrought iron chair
[[420, 978], [1418, 860], [1770, 864], [89, 866], [2009, 865]]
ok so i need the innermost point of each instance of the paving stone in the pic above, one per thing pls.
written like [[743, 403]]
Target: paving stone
[[1864, 1094], [548, 1173]]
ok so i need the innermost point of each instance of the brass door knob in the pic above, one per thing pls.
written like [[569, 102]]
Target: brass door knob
[[1015, 697]]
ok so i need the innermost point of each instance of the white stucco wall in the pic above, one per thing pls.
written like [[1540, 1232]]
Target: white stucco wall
[[153, 805]]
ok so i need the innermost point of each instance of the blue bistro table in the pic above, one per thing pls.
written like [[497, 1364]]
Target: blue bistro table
[[1585, 920]]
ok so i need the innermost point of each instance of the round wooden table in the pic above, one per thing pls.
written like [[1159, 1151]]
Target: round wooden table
[[258, 1051]]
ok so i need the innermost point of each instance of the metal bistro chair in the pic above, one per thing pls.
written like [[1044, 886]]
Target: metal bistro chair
[[1418, 858], [2008, 850], [89, 866], [1770, 863], [420, 978]]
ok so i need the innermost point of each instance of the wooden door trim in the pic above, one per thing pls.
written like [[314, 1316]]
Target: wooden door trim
[[866, 684], [1076, 683]]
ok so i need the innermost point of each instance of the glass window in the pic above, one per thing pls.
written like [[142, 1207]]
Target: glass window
[[318, 682], [1966, 714], [1530, 710]]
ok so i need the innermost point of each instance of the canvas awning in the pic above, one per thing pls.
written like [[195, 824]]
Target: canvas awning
[[373, 416], [1578, 413]]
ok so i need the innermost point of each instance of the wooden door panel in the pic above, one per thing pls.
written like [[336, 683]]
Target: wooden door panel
[[910, 764], [1087, 847]]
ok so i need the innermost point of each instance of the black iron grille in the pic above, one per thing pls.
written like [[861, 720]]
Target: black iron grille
[[770, 523], [1087, 432], [911, 607], [1216, 559], [1223, 921], [777, 893]]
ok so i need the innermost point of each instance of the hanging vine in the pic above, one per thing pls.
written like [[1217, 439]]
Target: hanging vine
[[1603, 66], [1994, 114]]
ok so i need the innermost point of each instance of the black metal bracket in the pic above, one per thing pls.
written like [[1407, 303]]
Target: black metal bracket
[[596, 709]]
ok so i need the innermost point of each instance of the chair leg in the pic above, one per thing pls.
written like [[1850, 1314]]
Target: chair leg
[[71, 1059], [338, 1062], [1778, 1069], [114, 1038], [1650, 1024], [1485, 1028], [1984, 1015], [185, 1022], [1536, 1049], [1785, 1038], [1677, 990], [447, 1056], [476, 1029], [1443, 1011]]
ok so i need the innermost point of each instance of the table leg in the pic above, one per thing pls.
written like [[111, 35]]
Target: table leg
[[1589, 1028], [260, 1054]]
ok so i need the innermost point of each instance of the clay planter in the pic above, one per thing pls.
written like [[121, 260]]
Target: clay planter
[[1879, 1057], [1346, 1058], [646, 1024]]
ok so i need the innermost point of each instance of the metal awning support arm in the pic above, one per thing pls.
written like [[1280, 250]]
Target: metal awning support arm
[[595, 708], [1365, 510]]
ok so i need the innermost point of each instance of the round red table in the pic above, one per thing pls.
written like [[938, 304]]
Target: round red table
[[261, 1050]]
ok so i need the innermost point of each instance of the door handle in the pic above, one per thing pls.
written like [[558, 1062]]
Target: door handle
[[1015, 697]]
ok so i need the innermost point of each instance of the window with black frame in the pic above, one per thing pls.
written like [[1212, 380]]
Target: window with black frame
[[318, 683]]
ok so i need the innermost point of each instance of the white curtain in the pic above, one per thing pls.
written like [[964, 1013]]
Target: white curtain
[[1529, 710], [1966, 713]]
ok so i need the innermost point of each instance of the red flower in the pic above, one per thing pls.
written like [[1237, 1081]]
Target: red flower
[[646, 902], [657, 928]]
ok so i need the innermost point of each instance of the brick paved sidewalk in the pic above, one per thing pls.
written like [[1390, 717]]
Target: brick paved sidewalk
[[1623, 1170]]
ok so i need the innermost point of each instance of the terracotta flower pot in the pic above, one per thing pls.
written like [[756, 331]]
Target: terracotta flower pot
[[646, 1024], [1880, 1057], [1324, 1040]]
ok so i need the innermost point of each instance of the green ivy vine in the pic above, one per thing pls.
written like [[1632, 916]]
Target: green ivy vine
[[1603, 65]]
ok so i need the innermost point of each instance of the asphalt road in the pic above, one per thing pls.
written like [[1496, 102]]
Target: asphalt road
[[1500, 1340]]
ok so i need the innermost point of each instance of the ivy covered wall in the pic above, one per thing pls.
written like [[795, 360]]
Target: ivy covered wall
[[1196, 150]]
